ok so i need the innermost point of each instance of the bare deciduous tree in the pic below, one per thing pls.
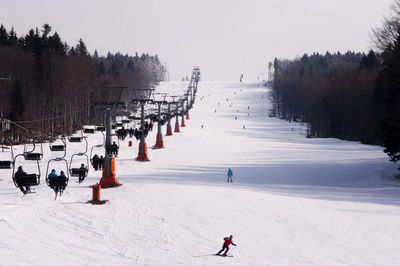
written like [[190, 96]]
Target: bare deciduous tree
[[384, 36]]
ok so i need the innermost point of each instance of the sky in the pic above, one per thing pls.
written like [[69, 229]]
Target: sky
[[224, 37]]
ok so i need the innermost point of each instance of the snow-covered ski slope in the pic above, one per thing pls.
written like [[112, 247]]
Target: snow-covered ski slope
[[294, 201]]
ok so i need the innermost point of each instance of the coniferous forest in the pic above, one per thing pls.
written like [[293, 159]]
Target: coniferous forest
[[350, 96], [51, 83]]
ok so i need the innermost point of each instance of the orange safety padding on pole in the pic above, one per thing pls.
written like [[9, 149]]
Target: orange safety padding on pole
[[169, 131], [96, 192], [130, 143], [109, 181], [159, 142], [177, 128], [142, 156], [187, 116], [183, 122]]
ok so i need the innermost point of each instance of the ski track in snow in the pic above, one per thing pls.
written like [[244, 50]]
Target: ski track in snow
[[294, 201]]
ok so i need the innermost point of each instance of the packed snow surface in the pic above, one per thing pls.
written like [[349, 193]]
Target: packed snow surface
[[294, 200]]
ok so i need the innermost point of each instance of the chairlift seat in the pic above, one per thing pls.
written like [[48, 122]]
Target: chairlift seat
[[100, 128], [88, 130], [112, 149], [57, 147], [5, 164], [125, 121], [32, 156], [113, 126], [58, 181], [120, 125], [27, 180], [78, 172], [75, 139]]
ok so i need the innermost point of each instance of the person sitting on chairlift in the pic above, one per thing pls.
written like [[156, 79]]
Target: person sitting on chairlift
[[114, 149], [62, 187], [20, 172], [51, 176], [96, 162], [101, 162], [82, 173]]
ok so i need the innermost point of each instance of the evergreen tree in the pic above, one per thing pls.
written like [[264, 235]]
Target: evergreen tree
[[3, 35], [17, 102], [46, 30], [81, 48], [12, 39]]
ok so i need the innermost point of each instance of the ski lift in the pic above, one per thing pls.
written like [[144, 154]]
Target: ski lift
[[88, 130], [26, 180], [100, 128], [119, 124], [7, 164], [78, 172], [113, 148], [58, 147], [76, 139], [57, 181], [98, 146], [31, 155]]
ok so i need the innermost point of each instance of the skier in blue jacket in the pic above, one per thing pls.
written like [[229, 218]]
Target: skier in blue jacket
[[53, 174], [230, 173]]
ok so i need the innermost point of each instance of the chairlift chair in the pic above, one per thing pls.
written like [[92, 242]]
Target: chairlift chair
[[5, 164], [97, 147], [76, 172], [100, 128], [26, 180], [88, 130], [111, 148], [58, 147], [31, 155], [57, 181], [76, 139]]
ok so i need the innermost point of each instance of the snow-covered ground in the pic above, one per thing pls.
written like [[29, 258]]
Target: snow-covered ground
[[294, 201]]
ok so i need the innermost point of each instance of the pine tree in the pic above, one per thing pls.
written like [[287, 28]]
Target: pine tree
[[81, 48], [17, 103], [3, 35], [12, 39]]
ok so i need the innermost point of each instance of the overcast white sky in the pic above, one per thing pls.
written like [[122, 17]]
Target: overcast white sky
[[224, 37]]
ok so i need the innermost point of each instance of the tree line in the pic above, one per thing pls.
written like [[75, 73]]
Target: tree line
[[50, 79], [350, 96]]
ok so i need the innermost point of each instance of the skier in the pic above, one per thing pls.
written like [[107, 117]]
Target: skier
[[230, 174], [53, 185], [225, 246], [20, 173], [82, 173], [96, 162]]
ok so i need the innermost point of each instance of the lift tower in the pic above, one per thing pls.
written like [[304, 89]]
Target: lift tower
[[159, 138], [169, 127], [104, 95], [142, 96]]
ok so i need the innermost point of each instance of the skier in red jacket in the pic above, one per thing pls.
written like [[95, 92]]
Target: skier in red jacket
[[227, 242]]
